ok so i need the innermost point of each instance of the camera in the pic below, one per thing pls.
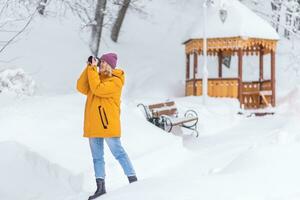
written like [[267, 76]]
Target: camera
[[90, 60]]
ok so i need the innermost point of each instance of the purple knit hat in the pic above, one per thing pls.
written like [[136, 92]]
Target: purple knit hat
[[110, 58]]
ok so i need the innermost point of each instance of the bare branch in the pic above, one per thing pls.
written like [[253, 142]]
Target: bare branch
[[4, 7], [22, 30]]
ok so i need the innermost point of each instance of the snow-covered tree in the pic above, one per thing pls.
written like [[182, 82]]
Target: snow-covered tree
[[118, 21], [284, 15], [15, 17]]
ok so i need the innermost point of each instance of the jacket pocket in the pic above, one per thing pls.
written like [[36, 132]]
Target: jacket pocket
[[103, 117]]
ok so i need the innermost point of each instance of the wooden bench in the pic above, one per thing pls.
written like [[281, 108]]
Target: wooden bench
[[165, 115]]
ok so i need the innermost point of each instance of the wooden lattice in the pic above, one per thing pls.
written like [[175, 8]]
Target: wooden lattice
[[229, 46]]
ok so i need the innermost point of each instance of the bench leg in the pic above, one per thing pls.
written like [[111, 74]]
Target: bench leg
[[194, 128], [164, 122]]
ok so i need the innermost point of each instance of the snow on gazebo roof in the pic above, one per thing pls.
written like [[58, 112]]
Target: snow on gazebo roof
[[240, 22]]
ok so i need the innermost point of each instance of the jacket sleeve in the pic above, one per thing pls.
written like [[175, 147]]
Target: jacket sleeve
[[99, 88], [82, 83]]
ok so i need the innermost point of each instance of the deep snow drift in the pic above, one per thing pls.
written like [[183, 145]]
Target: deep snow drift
[[27, 175]]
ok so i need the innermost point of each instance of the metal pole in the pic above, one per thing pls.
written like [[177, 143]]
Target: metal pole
[[205, 71]]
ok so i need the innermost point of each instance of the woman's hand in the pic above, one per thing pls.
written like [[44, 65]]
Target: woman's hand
[[94, 61]]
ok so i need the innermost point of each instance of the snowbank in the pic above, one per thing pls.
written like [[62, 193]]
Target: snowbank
[[27, 175], [16, 80]]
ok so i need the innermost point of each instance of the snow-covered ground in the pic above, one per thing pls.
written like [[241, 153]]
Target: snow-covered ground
[[235, 157], [43, 153]]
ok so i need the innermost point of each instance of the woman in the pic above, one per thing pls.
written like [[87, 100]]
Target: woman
[[102, 83]]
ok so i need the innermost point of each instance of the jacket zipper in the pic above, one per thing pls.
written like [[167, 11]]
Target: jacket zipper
[[104, 126], [105, 116]]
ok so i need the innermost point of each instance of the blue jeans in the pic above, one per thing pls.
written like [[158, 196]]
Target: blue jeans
[[114, 144]]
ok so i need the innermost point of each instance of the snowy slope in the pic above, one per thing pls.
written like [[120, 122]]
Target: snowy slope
[[148, 44]]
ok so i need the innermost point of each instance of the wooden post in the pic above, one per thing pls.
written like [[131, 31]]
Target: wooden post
[[261, 64], [194, 73], [261, 72], [273, 78], [220, 56], [240, 73], [187, 72]]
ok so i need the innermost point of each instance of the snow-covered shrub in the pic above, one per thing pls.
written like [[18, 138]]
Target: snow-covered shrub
[[16, 80]]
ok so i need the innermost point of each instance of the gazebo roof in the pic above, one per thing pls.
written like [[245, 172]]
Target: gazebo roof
[[242, 29], [240, 22]]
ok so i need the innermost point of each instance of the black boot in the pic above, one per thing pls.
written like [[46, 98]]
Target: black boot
[[100, 189], [132, 179]]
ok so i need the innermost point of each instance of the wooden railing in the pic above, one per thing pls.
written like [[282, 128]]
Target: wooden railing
[[251, 97], [250, 94], [228, 87], [225, 87]]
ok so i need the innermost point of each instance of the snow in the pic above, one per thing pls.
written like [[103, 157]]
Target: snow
[[16, 80], [240, 157], [240, 22], [30, 176], [45, 157]]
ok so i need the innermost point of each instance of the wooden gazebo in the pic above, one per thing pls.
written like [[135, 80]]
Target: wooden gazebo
[[225, 40]]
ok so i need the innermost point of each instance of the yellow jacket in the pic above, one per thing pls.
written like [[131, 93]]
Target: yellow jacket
[[102, 108]]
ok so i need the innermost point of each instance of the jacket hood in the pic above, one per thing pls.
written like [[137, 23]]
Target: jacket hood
[[119, 74]]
